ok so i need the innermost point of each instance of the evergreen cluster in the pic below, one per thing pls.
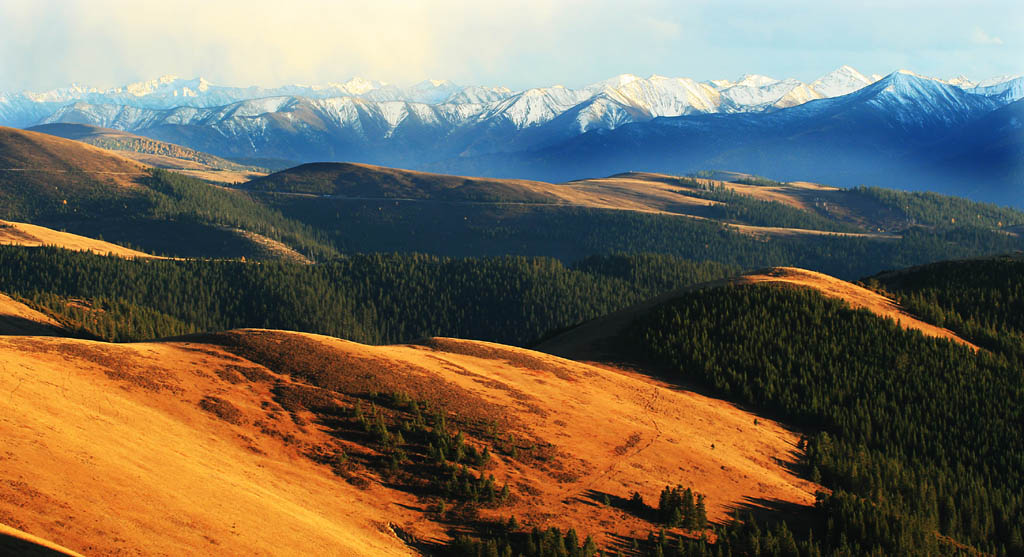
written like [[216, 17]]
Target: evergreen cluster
[[422, 451], [677, 507], [980, 299], [170, 213], [573, 233], [933, 209], [917, 437], [535, 543]]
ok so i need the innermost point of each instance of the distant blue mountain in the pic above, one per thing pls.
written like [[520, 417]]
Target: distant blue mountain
[[901, 130]]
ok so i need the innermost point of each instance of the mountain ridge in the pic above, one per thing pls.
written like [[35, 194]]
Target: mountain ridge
[[500, 133]]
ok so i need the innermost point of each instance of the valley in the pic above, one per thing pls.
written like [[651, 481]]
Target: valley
[[344, 435], [441, 279], [342, 357]]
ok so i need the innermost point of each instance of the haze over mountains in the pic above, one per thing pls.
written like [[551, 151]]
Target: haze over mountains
[[844, 128]]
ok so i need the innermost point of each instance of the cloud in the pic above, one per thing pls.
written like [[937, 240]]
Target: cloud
[[661, 28], [979, 36], [517, 43]]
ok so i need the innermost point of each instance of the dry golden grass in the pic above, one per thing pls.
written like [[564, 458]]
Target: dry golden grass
[[186, 447], [45, 158], [155, 153], [107, 451], [273, 248], [222, 176], [652, 192], [18, 319], [193, 168], [24, 234]]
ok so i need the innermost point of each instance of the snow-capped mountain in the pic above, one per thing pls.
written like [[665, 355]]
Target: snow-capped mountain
[[901, 131], [1007, 89], [603, 105], [842, 81], [441, 125]]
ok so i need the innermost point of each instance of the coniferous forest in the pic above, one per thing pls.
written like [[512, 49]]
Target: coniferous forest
[[369, 298], [919, 439]]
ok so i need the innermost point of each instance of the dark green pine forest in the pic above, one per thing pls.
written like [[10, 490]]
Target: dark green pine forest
[[367, 298]]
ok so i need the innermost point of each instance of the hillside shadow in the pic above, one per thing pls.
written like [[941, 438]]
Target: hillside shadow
[[799, 518], [11, 325], [599, 498], [624, 544], [13, 545]]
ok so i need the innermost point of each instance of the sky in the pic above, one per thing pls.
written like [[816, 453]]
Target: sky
[[46, 44]]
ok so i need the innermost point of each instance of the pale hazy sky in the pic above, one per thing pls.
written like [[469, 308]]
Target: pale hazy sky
[[104, 43]]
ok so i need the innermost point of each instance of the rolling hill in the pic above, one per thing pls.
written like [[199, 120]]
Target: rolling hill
[[873, 386], [589, 338], [258, 430], [316, 212], [24, 234], [155, 153], [728, 217], [17, 318], [732, 198], [292, 440], [64, 184]]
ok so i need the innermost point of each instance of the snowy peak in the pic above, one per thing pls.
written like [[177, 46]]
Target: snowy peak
[[961, 81], [606, 104], [720, 83], [355, 86], [1006, 89], [63, 94], [162, 83], [755, 80], [756, 92], [612, 83], [480, 95], [997, 80], [842, 81], [911, 99]]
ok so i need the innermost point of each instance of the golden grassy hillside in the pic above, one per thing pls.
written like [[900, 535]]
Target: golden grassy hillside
[[24, 234], [641, 192], [22, 544], [56, 163], [155, 153], [245, 442], [18, 319]]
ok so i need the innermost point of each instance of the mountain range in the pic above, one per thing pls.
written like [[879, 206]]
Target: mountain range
[[844, 128], [289, 358]]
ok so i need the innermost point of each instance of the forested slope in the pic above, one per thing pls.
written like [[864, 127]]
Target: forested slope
[[371, 298], [920, 439]]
